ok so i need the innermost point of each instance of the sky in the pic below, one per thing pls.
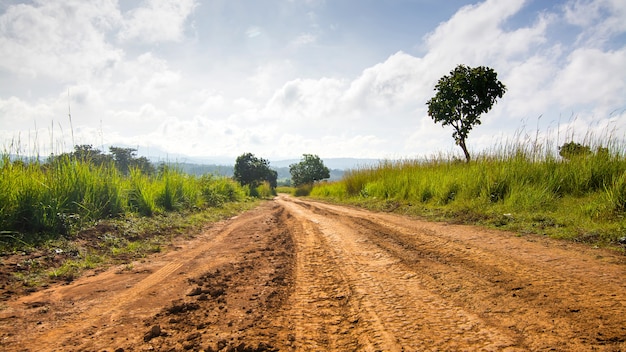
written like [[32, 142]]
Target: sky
[[280, 78]]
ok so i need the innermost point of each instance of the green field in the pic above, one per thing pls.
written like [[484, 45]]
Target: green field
[[527, 188]]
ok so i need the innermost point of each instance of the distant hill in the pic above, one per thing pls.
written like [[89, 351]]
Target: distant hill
[[337, 167], [202, 169], [228, 170], [332, 163]]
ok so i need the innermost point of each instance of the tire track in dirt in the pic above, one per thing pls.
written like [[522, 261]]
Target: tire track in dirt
[[319, 311], [394, 310], [542, 293], [111, 308]]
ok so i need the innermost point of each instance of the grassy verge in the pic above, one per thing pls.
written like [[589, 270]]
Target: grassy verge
[[110, 242], [67, 215], [581, 198]]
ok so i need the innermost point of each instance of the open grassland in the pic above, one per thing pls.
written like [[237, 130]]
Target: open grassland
[[527, 189]]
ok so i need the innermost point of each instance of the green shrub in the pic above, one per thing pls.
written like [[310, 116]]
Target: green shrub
[[303, 190]]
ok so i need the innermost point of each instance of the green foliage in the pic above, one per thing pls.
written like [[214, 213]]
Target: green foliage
[[265, 190], [616, 194], [284, 189], [573, 150], [126, 160], [70, 269], [142, 194], [462, 97], [252, 171], [217, 191], [87, 153], [310, 169], [303, 190]]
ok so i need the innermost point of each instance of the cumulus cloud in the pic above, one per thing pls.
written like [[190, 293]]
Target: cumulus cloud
[[601, 19], [311, 100], [592, 76], [476, 34], [65, 41], [398, 80]]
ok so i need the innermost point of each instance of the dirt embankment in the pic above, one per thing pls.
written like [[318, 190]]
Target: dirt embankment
[[296, 275]]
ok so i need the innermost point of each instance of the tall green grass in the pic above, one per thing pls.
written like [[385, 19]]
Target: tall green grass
[[40, 200], [538, 190]]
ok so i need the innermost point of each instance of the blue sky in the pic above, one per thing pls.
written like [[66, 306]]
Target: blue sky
[[343, 78]]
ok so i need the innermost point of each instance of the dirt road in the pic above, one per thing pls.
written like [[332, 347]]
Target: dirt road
[[295, 275]]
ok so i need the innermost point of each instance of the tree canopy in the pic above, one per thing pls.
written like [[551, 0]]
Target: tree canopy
[[572, 150], [124, 159], [252, 171], [462, 97], [310, 169]]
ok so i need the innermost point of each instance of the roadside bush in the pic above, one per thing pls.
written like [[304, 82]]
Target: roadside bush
[[303, 190], [264, 190]]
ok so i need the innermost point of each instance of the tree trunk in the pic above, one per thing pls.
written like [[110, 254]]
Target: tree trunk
[[464, 147]]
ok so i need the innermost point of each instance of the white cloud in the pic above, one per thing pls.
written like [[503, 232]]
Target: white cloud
[[306, 100], [601, 19], [592, 76], [141, 121], [21, 115], [63, 40], [398, 80], [270, 76], [476, 34], [157, 21], [145, 78], [529, 85]]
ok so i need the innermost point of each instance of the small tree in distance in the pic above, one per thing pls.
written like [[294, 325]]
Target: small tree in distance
[[572, 150], [462, 97], [310, 169], [252, 171]]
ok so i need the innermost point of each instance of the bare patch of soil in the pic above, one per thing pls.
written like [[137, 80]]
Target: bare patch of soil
[[296, 275]]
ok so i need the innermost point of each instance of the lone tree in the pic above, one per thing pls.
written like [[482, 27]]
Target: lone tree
[[252, 171], [310, 169], [462, 97]]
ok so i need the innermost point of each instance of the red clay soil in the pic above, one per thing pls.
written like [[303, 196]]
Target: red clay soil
[[298, 275]]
